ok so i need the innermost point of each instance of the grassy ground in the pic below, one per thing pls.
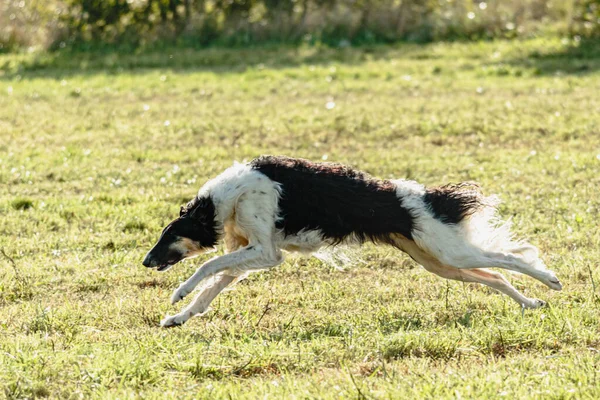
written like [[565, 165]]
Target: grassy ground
[[98, 152]]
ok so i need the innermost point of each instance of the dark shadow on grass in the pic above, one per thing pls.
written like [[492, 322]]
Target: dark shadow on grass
[[582, 58], [63, 64], [578, 59]]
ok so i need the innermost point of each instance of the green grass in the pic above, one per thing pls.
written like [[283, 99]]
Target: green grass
[[97, 153]]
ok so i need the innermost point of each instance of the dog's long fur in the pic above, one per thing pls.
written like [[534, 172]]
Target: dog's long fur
[[278, 203]]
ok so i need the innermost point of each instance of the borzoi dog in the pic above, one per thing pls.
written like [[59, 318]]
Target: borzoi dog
[[277, 203]]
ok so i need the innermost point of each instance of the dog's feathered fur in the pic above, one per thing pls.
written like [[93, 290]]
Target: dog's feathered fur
[[279, 203], [453, 203]]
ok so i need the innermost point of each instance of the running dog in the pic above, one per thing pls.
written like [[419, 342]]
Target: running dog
[[278, 203]]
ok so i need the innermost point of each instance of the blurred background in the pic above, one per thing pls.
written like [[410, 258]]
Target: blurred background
[[52, 24]]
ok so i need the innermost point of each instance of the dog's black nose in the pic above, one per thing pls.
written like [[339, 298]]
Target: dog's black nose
[[148, 262]]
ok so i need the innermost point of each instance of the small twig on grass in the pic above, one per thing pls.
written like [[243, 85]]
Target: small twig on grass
[[384, 369], [265, 311], [361, 395], [288, 127], [13, 263], [238, 370], [502, 342], [593, 282], [447, 295]]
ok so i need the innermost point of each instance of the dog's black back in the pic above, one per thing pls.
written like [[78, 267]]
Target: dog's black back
[[335, 199]]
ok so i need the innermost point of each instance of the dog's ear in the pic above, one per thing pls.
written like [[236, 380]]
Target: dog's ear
[[197, 213], [203, 211], [181, 211]]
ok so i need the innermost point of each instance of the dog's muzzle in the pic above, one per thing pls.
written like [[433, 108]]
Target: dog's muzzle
[[150, 262]]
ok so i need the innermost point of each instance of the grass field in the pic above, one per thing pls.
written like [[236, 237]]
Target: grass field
[[97, 153]]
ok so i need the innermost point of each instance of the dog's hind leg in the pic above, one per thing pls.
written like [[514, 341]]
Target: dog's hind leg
[[456, 246], [201, 302], [470, 257], [514, 263], [492, 279]]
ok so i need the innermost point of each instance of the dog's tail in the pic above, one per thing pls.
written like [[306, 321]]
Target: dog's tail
[[476, 217], [453, 203], [487, 231]]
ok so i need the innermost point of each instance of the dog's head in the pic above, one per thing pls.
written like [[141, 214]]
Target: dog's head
[[193, 233]]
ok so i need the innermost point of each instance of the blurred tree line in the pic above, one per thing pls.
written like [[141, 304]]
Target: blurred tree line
[[61, 23]]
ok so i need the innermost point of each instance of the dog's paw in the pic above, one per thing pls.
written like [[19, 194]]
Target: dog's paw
[[173, 321], [535, 303], [555, 284], [180, 293], [552, 281]]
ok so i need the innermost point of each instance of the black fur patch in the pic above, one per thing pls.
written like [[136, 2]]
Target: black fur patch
[[197, 221], [453, 203], [333, 198]]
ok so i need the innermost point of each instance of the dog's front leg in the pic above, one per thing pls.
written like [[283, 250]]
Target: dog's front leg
[[200, 304], [237, 263]]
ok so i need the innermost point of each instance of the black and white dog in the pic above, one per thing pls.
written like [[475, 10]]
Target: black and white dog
[[278, 203]]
